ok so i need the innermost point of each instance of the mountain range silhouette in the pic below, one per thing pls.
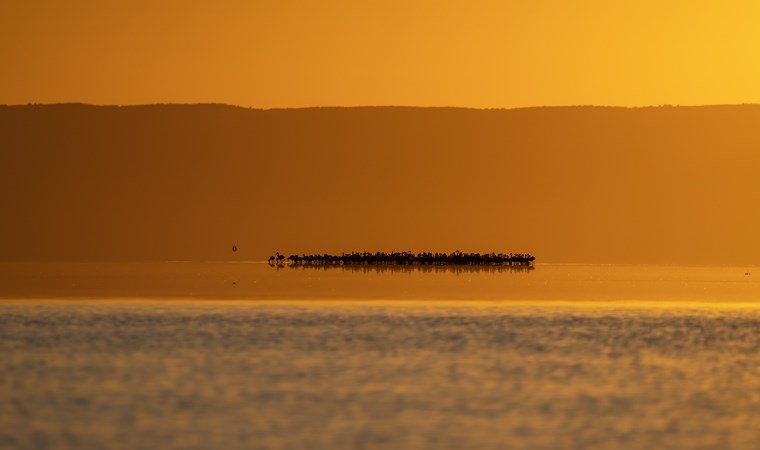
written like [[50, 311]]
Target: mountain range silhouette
[[569, 184]]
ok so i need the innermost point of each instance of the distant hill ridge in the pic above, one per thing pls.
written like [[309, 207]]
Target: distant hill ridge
[[389, 106], [573, 184]]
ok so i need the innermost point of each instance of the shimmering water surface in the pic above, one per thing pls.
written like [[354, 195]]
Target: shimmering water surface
[[177, 356]]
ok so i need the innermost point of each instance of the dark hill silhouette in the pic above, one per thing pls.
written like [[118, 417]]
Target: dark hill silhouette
[[572, 184]]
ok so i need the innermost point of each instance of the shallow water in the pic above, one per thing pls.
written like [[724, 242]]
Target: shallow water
[[259, 281], [97, 357]]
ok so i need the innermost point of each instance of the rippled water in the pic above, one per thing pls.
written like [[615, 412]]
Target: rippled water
[[177, 356]]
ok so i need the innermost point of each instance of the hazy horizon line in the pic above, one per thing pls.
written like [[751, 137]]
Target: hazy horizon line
[[378, 106]]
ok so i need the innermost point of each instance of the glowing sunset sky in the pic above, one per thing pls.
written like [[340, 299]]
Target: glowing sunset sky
[[391, 52]]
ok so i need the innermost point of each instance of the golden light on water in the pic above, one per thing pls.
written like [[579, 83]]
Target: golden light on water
[[379, 373], [103, 343]]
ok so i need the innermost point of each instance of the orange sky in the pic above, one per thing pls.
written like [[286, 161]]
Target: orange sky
[[274, 53]]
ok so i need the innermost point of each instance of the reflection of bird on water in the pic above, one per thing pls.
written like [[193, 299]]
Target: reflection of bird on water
[[279, 259]]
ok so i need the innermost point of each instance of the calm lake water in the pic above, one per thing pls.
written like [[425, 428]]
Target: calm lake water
[[236, 355]]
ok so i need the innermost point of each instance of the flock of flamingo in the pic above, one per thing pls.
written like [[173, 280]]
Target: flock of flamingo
[[406, 258]]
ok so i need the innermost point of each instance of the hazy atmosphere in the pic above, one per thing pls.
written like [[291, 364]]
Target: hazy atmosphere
[[407, 225], [483, 53]]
